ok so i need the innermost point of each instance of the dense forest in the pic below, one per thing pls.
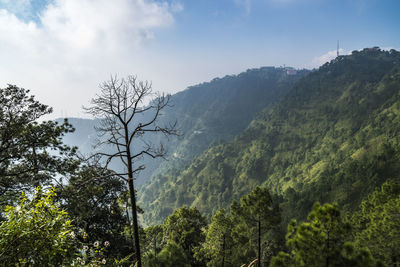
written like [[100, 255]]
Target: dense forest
[[312, 181], [334, 137]]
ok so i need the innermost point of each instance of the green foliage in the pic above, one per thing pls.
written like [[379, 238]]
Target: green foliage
[[184, 228], [93, 199], [36, 232], [31, 153], [258, 206], [153, 242], [283, 259], [334, 137], [208, 114], [229, 240], [92, 254], [171, 255], [322, 241], [326, 238], [377, 223], [216, 250], [256, 222]]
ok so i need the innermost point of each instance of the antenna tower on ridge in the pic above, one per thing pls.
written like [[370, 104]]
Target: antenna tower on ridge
[[337, 49]]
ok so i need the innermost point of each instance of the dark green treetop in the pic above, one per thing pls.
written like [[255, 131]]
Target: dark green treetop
[[31, 152], [217, 246], [256, 220], [323, 240], [185, 227], [92, 198]]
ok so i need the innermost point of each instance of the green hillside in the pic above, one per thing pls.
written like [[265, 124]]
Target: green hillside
[[333, 138], [206, 113], [219, 110]]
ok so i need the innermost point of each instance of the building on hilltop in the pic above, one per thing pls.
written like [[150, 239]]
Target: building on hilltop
[[290, 71]]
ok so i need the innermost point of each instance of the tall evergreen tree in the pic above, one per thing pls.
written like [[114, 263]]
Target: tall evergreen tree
[[154, 242], [184, 227], [322, 241], [217, 247], [260, 210], [31, 153], [255, 219]]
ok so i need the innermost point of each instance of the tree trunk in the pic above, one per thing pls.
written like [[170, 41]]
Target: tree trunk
[[155, 248], [328, 252], [259, 241], [118, 105], [133, 198], [223, 251], [135, 222]]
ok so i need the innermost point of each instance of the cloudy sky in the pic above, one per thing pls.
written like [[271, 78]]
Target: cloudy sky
[[62, 49]]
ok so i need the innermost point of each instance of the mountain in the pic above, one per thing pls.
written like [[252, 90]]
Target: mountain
[[333, 138], [207, 113]]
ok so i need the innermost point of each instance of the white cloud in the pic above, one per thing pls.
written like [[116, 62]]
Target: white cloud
[[84, 24], [320, 60], [388, 48], [76, 44]]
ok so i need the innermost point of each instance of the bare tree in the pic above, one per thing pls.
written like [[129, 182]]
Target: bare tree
[[125, 120]]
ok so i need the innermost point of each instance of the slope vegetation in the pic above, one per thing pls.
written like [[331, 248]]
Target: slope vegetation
[[334, 137], [206, 113]]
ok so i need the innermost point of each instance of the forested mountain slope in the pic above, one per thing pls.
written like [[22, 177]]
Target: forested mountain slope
[[334, 137], [206, 113]]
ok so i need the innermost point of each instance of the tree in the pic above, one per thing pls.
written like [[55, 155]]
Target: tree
[[260, 210], [125, 121], [254, 218], [322, 241], [31, 153], [94, 203], [184, 227], [154, 241], [36, 232], [171, 255], [218, 241]]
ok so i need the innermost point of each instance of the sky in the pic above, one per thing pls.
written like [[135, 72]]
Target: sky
[[63, 49]]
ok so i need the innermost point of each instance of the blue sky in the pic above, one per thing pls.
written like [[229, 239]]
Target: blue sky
[[292, 32], [62, 49]]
